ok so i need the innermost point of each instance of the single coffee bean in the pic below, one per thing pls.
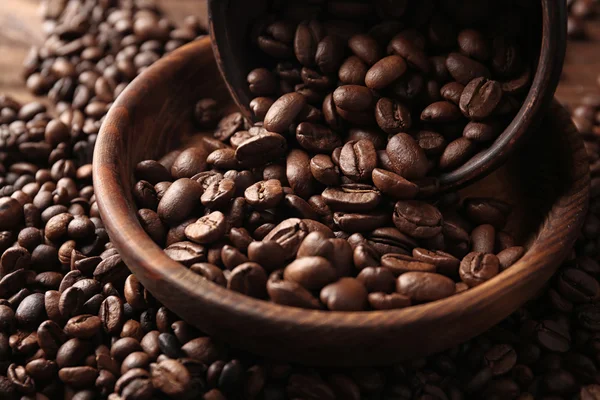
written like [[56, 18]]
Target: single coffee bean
[[473, 44], [353, 71], [425, 286], [353, 98], [261, 148], [112, 314], [464, 69], [298, 173], [446, 264], [385, 71], [510, 256], [289, 293], [187, 253], [207, 229], [248, 278], [347, 294], [480, 98], [324, 170], [477, 268], [179, 200], [441, 111], [417, 219], [209, 272], [457, 153], [170, 377], [83, 326], [385, 301], [189, 162], [264, 194], [31, 311], [483, 239], [394, 185], [352, 197], [284, 112], [312, 273], [377, 279], [317, 138], [365, 47], [415, 56], [401, 263], [392, 117], [406, 157], [501, 359], [578, 286]]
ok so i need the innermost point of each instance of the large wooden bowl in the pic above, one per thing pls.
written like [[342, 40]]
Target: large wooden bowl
[[547, 182], [231, 22]]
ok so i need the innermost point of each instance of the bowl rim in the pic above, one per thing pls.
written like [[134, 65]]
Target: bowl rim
[[153, 267], [539, 97]]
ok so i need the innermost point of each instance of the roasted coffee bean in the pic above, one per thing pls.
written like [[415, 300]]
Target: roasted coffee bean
[[112, 314], [406, 157], [394, 185], [384, 301], [360, 222], [424, 286], [353, 71], [477, 268], [260, 149], [311, 273], [289, 293], [347, 294], [317, 138], [480, 98], [464, 69], [509, 256], [392, 116], [261, 82], [578, 286], [179, 200], [417, 219], [487, 211], [187, 253], [248, 278], [446, 264], [207, 229], [353, 98], [352, 197], [385, 72], [377, 279], [456, 153], [401, 263], [83, 326]]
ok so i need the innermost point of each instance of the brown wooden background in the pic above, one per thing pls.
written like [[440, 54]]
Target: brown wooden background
[[20, 27]]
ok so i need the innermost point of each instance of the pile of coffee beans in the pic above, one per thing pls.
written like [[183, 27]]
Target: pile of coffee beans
[[418, 87], [301, 233], [93, 49], [75, 324], [580, 11]]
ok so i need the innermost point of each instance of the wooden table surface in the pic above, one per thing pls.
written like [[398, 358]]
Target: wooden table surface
[[20, 27]]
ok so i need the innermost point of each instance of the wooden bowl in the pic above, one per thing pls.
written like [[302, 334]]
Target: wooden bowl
[[547, 182], [230, 23]]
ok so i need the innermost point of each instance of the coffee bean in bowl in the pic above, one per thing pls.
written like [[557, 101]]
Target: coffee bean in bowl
[[472, 74], [288, 246]]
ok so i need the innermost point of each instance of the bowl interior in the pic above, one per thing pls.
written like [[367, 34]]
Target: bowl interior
[[231, 30], [547, 183]]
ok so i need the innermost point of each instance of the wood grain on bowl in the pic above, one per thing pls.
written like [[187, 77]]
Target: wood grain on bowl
[[231, 22], [547, 181]]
